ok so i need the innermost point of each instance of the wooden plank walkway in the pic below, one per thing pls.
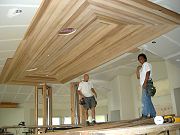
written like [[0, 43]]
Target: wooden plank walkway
[[126, 127]]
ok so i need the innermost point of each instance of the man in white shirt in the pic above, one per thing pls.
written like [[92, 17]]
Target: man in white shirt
[[144, 73], [87, 92]]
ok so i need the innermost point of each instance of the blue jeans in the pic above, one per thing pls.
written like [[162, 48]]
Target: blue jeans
[[147, 105]]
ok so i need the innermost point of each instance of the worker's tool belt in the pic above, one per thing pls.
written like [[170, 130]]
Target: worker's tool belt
[[82, 101], [151, 90]]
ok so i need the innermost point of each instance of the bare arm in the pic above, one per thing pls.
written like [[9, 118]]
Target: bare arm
[[146, 79], [92, 89], [137, 72], [80, 93]]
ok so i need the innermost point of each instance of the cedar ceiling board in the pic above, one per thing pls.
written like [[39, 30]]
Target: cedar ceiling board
[[54, 50], [105, 42], [99, 30], [131, 9], [34, 36], [59, 46], [36, 45], [125, 45], [41, 37]]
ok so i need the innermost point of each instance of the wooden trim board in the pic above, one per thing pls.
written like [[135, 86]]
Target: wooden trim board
[[8, 105]]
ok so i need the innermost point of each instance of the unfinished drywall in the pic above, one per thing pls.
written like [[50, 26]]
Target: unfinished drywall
[[174, 82], [11, 116], [121, 97], [177, 100]]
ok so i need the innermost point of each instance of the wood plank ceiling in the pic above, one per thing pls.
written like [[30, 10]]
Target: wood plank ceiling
[[105, 29]]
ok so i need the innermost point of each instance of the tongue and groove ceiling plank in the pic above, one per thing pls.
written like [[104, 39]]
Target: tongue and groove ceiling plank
[[105, 29]]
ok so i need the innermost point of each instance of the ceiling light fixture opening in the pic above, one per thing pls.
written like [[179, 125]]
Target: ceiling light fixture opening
[[66, 31], [14, 12], [32, 69]]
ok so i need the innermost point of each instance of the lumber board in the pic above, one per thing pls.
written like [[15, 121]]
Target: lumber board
[[121, 128], [8, 105]]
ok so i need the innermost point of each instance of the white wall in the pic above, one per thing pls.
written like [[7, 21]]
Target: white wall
[[113, 99], [25, 112], [136, 95], [126, 98], [121, 97], [159, 70], [174, 82], [11, 116]]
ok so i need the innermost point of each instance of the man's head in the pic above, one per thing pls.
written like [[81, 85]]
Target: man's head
[[86, 77], [142, 58]]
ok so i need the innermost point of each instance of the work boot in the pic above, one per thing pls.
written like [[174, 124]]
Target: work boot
[[143, 117], [152, 116], [93, 122]]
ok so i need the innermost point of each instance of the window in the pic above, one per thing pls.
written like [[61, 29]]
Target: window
[[100, 118], [40, 121], [67, 120], [55, 121]]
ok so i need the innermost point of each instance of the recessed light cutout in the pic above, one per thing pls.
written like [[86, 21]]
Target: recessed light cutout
[[14, 12], [32, 69], [66, 31]]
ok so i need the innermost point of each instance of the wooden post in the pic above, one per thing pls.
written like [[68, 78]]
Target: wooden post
[[44, 106], [36, 109], [75, 111], [50, 105], [72, 104]]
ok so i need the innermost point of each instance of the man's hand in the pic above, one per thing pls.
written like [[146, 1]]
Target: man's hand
[[137, 72], [138, 68], [80, 93], [144, 85], [92, 89]]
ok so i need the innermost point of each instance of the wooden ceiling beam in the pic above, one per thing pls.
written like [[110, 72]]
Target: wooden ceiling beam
[[105, 29]]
